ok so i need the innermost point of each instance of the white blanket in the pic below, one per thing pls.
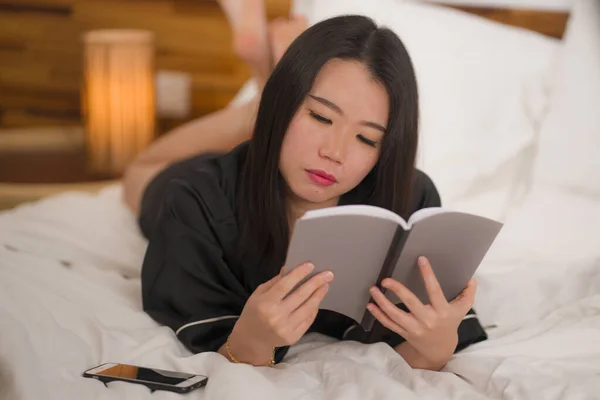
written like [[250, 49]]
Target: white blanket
[[65, 306]]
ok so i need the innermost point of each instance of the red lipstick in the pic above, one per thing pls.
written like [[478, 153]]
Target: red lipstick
[[320, 177]]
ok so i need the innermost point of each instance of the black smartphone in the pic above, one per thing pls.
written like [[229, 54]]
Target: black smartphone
[[155, 379]]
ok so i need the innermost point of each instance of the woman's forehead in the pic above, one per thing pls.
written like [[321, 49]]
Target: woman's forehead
[[350, 86]]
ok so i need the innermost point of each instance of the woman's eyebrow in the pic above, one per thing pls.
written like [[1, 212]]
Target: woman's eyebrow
[[373, 125], [338, 110], [327, 103]]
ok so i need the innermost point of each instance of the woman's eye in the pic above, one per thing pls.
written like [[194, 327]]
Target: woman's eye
[[320, 118], [365, 140]]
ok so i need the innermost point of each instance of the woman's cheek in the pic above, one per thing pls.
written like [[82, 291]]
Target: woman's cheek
[[363, 162], [293, 134]]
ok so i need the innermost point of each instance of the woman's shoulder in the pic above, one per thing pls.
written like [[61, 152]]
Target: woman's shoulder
[[229, 168], [204, 183], [213, 179], [424, 193]]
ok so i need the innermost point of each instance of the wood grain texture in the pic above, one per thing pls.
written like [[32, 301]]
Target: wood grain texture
[[41, 53], [41, 50]]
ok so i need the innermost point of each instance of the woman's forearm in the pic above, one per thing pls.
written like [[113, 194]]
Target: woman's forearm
[[415, 360]]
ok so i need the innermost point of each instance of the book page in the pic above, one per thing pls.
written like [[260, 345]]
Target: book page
[[370, 211], [424, 213], [352, 246], [455, 244]]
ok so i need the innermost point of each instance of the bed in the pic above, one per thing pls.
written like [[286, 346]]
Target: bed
[[70, 263]]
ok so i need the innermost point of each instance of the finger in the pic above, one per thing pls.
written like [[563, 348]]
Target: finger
[[400, 317], [308, 310], [385, 320], [466, 298], [300, 295], [305, 325], [434, 290], [409, 299], [289, 281], [272, 282]]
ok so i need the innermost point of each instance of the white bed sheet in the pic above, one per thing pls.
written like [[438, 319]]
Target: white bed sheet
[[65, 306]]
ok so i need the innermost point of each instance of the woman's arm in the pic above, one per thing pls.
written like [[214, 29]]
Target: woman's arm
[[415, 359], [186, 283], [217, 132], [249, 353]]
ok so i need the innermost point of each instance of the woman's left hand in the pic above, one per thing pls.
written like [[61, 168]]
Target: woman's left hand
[[432, 330]]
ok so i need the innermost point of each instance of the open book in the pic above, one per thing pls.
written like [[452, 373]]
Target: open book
[[362, 245]]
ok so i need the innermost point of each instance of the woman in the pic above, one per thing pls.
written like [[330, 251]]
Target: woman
[[337, 124]]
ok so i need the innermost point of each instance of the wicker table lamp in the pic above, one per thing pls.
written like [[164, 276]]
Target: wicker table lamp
[[118, 98]]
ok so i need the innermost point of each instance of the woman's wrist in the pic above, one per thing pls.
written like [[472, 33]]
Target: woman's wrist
[[242, 348], [416, 360]]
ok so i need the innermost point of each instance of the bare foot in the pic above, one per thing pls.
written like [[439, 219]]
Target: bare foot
[[248, 21], [282, 32]]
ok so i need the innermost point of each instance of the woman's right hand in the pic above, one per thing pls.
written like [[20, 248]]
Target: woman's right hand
[[272, 318]]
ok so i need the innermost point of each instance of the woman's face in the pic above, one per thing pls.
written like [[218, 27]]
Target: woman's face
[[334, 140]]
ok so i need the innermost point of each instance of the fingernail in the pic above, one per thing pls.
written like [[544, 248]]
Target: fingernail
[[422, 261], [373, 290], [385, 283], [310, 266], [328, 276]]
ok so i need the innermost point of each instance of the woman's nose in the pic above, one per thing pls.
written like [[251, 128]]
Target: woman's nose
[[333, 146]]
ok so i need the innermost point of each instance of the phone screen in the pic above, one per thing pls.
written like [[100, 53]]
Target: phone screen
[[146, 374]]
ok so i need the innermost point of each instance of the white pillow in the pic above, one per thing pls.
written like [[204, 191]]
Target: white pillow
[[546, 256], [569, 147], [482, 94]]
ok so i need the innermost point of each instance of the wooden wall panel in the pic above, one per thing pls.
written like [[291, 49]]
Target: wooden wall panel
[[41, 52]]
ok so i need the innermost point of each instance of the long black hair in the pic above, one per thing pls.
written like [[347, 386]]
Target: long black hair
[[261, 196]]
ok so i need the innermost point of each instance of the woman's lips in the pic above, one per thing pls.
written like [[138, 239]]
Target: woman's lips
[[321, 178]]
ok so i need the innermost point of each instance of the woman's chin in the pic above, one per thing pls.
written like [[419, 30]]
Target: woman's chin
[[315, 194]]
